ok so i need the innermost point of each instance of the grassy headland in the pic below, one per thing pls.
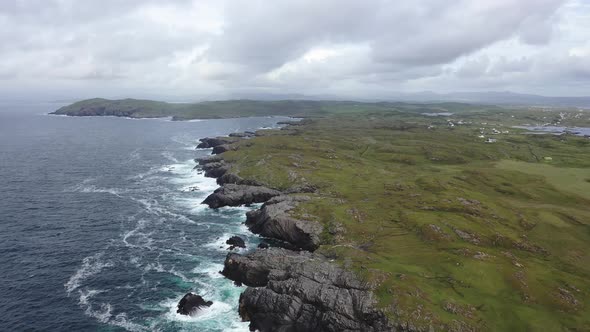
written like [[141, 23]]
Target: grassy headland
[[455, 233], [135, 108]]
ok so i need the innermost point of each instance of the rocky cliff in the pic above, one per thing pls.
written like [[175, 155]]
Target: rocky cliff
[[289, 290], [301, 291]]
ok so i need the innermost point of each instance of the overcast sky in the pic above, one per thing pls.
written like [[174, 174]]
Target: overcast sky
[[365, 48]]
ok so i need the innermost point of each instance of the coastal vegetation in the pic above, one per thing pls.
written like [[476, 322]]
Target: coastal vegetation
[[454, 233], [458, 220]]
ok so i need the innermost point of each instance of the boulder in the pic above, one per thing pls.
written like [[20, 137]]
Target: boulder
[[274, 221], [191, 303], [236, 242], [236, 195], [302, 291]]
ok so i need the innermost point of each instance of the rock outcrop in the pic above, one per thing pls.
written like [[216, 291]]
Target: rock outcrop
[[273, 221], [236, 242], [222, 148], [229, 177], [215, 169], [211, 142], [290, 287], [191, 303], [208, 159], [301, 291], [236, 195]]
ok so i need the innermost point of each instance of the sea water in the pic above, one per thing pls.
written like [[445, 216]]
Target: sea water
[[101, 226]]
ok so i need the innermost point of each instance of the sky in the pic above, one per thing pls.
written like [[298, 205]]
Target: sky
[[183, 49]]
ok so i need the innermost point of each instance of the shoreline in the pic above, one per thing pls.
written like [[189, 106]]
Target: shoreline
[[289, 286]]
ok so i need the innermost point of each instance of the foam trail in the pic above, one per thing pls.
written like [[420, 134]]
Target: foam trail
[[91, 265]]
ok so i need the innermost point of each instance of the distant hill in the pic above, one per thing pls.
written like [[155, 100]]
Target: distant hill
[[497, 98], [136, 108], [485, 97]]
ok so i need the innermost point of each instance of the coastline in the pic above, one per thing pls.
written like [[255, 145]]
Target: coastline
[[289, 286], [415, 206]]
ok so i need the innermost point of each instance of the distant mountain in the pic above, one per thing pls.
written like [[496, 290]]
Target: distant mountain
[[497, 97], [484, 97]]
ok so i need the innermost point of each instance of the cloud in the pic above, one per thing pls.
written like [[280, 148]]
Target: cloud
[[350, 48]]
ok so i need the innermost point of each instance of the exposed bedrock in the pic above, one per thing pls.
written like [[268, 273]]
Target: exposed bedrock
[[237, 194], [215, 169], [253, 269], [236, 242], [229, 177], [208, 159], [301, 291], [273, 221], [211, 142], [191, 303], [222, 148]]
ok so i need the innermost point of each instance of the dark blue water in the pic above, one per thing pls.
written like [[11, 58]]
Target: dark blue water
[[100, 228]]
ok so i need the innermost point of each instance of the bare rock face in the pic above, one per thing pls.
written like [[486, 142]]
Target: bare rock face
[[222, 148], [191, 303], [215, 169], [236, 242], [273, 221], [253, 269], [301, 291], [211, 142], [208, 159], [229, 177], [235, 195]]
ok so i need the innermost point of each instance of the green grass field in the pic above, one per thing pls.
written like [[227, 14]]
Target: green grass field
[[455, 234]]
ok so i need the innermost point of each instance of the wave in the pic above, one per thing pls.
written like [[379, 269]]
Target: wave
[[160, 253]]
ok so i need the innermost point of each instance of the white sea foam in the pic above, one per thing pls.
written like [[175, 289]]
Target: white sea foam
[[141, 176], [215, 317], [168, 155], [166, 195], [122, 321], [135, 238], [211, 270], [154, 267], [104, 312], [155, 208], [90, 188], [91, 265], [134, 157], [219, 243]]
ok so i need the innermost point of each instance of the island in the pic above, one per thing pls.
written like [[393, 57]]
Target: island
[[408, 217]]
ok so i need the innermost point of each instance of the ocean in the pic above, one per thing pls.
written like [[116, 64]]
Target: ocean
[[101, 226]]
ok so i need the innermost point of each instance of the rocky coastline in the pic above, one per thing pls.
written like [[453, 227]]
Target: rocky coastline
[[290, 287]]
